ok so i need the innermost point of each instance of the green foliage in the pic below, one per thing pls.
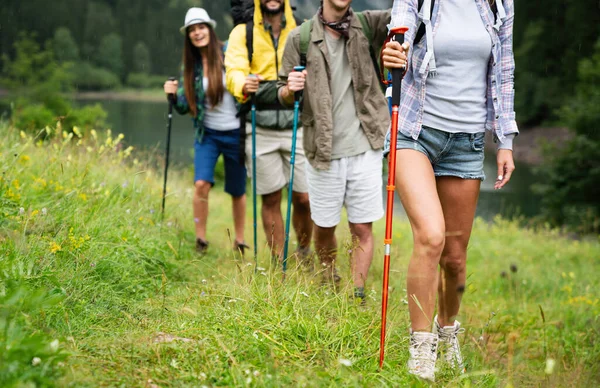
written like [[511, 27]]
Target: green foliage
[[86, 118], [141, 59], [34, 72], [38, 84], [582, 111], [65, 47], [33, 117], [145, 81], [110, 54], [90, 77], [95, 267], [571, 174]]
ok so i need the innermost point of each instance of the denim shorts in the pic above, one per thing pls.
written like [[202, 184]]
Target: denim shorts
[[451, 154], [215, 143]]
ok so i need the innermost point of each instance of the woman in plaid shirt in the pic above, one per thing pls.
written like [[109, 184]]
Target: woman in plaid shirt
[[458, 83]]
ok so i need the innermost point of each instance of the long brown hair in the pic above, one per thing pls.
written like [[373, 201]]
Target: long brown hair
[[214, 71]]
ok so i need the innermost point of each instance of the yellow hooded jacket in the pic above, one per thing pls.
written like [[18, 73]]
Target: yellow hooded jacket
[[266, 59]]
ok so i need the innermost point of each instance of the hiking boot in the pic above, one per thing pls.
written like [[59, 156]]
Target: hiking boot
[[359, 296], [423, 354], [305, 259], [448, 344], [201, 246], [240, 247]]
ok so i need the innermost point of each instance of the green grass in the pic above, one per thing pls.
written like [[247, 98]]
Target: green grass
[[90, 277]]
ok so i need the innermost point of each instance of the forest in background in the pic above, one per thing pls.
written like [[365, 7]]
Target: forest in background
[[117, 42]]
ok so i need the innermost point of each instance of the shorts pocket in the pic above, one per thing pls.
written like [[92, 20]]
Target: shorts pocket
[[478, 142]]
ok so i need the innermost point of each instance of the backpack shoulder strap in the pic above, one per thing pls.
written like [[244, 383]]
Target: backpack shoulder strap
[[365, 26], [421, 31], [250, 39], [305, 29], [369, 35]]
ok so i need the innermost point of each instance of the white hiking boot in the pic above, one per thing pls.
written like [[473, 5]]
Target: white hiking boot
[[423, 353], [449, 345]]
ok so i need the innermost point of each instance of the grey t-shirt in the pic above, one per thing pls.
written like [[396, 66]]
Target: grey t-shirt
[[349, 138], [455, 98]]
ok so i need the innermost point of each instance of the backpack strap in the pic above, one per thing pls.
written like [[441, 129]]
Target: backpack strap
[[250, 40], [305, 29], [421, 30], [369, 35]]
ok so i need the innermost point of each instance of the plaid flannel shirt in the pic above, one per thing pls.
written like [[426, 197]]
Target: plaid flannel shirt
[[500, 79]]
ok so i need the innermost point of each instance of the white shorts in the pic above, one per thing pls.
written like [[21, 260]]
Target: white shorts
[[355, 182]]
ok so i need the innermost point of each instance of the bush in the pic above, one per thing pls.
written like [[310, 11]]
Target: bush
[[33, 118], [571, 175], [90, 77], [145, 81], [86, 118]]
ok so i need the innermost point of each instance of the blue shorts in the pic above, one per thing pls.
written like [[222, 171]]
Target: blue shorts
[[451, 154], [215, 143]]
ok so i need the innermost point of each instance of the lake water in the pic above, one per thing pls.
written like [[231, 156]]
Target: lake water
[[144, 126]]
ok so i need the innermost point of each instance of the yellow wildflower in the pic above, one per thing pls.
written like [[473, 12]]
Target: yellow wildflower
[[77, 132], [83, 197], [54, 247], [94, 134], [35, 213]]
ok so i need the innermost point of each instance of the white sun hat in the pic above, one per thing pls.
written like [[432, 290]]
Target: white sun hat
[[195, 16]]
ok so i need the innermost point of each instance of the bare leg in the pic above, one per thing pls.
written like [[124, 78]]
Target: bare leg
[[459, 202], [301, 220], [362, 253], [326, 246], [200, 205], [273, 222], [239, 216], [416, 186]]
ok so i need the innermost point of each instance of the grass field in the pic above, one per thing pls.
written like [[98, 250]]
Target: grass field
[[96, 290]]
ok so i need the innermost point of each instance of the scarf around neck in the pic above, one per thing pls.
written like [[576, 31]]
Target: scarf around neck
[[342, 26]]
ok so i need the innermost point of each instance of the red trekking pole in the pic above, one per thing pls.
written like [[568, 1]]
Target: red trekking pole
[[398, 35]]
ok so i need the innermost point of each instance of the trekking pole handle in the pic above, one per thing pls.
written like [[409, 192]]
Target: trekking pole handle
[[298, 94], [171, 96], [253, 95], [397, 74]]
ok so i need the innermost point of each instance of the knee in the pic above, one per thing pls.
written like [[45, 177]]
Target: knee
[[431, 242], [454, 263], [272, 201], [301, 202], [202, 188], [324, 234], [362, 232]]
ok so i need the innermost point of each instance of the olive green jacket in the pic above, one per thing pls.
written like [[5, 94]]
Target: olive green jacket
[[371, 104]]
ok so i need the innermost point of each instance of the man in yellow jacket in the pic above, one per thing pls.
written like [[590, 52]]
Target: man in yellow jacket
[[273, 21]]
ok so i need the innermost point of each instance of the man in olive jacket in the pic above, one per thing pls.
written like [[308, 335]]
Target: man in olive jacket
[[345, 118]]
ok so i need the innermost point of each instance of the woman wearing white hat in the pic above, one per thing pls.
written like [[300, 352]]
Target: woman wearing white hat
[[201, 92]]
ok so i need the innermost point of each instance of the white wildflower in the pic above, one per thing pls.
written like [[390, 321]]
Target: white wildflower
[[550, 364], [54, 345], [36, 361], [345, 362]]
